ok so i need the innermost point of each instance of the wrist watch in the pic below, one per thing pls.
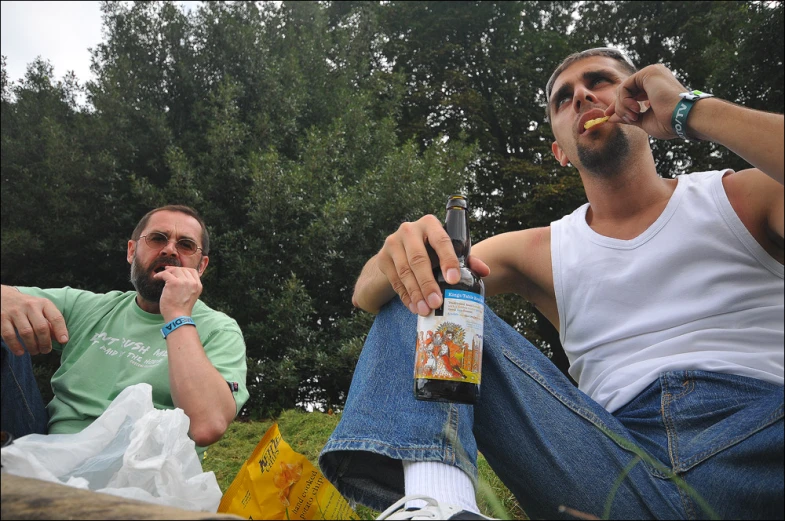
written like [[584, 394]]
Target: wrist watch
[[683, 107]]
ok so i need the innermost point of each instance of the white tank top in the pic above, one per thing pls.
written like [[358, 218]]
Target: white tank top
[[695, 291]]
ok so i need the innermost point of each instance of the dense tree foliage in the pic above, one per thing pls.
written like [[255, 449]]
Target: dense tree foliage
[[306, 132]]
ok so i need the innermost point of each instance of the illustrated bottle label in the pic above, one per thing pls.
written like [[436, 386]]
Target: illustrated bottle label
[[449, 347]]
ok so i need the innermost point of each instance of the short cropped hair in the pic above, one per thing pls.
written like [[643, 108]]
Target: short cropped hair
[[187, 210], [608, 52]]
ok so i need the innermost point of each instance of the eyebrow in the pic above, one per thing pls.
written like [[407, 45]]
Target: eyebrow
[[587, 77]]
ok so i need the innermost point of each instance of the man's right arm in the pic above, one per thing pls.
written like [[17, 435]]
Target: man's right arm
[[36, 320], [514, 262], [404, 267], [373, 289]]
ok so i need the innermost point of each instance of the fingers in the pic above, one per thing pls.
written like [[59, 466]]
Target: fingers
[[391, 256], [188, 276], [58, 329], [38, 337], [8, 332], [646, 100], [405, 261], [426, 293], [627, 106], [181, 290], [33, 328]]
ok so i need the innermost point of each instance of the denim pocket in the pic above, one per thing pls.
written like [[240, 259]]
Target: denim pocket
[[706, 413]]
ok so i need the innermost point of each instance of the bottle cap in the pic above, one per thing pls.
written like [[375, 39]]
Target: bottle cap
[[457, 201]]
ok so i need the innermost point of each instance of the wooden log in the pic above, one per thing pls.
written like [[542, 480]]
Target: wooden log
[[26, 498]]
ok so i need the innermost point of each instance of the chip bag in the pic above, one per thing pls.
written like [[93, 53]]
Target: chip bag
[[279, 483]]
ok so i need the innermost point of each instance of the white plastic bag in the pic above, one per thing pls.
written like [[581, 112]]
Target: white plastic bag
[[132, 450]]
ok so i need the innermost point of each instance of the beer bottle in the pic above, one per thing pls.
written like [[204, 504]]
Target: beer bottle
[[448, 358]]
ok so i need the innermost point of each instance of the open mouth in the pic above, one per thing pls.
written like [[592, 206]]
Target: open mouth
[[162, 266], [593, 122], [588, 117]]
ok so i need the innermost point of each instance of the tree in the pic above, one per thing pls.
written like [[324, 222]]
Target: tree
[[306, 132]]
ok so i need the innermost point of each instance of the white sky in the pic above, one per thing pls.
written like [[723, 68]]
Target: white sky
[[61, 32]]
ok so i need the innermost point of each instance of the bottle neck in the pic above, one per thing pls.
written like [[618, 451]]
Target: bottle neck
[[457, 226]]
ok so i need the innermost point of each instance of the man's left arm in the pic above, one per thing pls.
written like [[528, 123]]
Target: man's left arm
[[197, 387], [757, 137]]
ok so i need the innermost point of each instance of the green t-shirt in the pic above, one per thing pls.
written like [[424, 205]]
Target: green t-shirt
[[113, 344]]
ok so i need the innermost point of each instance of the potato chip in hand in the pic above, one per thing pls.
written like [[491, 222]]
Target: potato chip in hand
[[593, 122]]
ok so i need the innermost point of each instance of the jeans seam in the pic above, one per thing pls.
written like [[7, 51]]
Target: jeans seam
[[584, 413], [686, 502], [375, 441], [673, 441], [30, 416], [452, 421], [670, 426], [581, 411], [436, 453], [687, 387]]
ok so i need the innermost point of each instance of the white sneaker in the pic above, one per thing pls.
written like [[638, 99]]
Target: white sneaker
[[433, 510]]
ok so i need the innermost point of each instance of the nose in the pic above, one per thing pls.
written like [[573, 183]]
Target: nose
[[170, 248], [581, 96]]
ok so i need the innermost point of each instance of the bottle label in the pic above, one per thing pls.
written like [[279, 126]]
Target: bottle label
[[449, 347]]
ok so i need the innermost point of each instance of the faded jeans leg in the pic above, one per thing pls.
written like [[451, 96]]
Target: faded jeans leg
[[23, 411], [548, 441]]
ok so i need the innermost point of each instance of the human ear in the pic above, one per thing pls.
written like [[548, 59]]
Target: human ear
[[131, 251], [559, 154]]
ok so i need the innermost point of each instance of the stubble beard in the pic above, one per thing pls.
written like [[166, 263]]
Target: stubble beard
[[608, 160], [146, 286]]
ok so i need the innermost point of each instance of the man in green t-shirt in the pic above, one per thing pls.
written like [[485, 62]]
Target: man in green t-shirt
[[161, 334]]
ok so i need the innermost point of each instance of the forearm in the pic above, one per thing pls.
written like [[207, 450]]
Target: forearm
[[197, 387], [372, 290], [755, 136]]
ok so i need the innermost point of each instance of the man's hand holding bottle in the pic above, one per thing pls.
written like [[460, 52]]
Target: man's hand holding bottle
[[405, 261]]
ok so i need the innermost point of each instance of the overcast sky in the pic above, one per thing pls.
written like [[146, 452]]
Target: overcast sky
[[61, 32]]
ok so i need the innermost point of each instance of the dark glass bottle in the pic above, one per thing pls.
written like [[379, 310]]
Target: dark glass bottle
[[448, 359]]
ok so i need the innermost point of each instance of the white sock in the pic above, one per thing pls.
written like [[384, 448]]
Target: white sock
[[444, 483]]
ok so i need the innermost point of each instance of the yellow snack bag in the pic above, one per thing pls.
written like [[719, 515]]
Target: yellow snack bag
[[278, 483]]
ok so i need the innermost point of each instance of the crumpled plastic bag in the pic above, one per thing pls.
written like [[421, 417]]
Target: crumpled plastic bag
[[132, 450]]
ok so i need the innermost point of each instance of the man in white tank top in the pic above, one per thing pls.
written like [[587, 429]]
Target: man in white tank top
[[668, 297]]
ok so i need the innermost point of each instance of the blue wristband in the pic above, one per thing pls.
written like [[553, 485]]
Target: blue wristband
[[174, 324]]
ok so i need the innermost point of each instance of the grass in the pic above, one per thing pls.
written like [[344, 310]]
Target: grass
[[307, 433]]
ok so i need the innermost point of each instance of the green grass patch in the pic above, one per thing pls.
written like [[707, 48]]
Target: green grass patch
[[307, 433]]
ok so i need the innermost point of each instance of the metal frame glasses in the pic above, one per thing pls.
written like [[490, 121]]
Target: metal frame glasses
[[158, 241]]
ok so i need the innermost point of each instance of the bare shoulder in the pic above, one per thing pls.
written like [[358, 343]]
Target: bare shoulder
[[758, 200], [520, 262], [750, 180]]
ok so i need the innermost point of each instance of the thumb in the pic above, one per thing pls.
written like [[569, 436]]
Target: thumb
[[478, 266]]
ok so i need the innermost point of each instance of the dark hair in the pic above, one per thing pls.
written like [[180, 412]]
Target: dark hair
[[608, 52], [187, 210]]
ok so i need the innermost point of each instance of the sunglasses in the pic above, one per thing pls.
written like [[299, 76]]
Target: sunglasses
[[158, 241]]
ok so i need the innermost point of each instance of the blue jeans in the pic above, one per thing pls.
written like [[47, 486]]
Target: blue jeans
[[720, 435], [22, 409]]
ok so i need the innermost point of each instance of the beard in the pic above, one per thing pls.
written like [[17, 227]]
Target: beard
[[609, 160], [150, 289]]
